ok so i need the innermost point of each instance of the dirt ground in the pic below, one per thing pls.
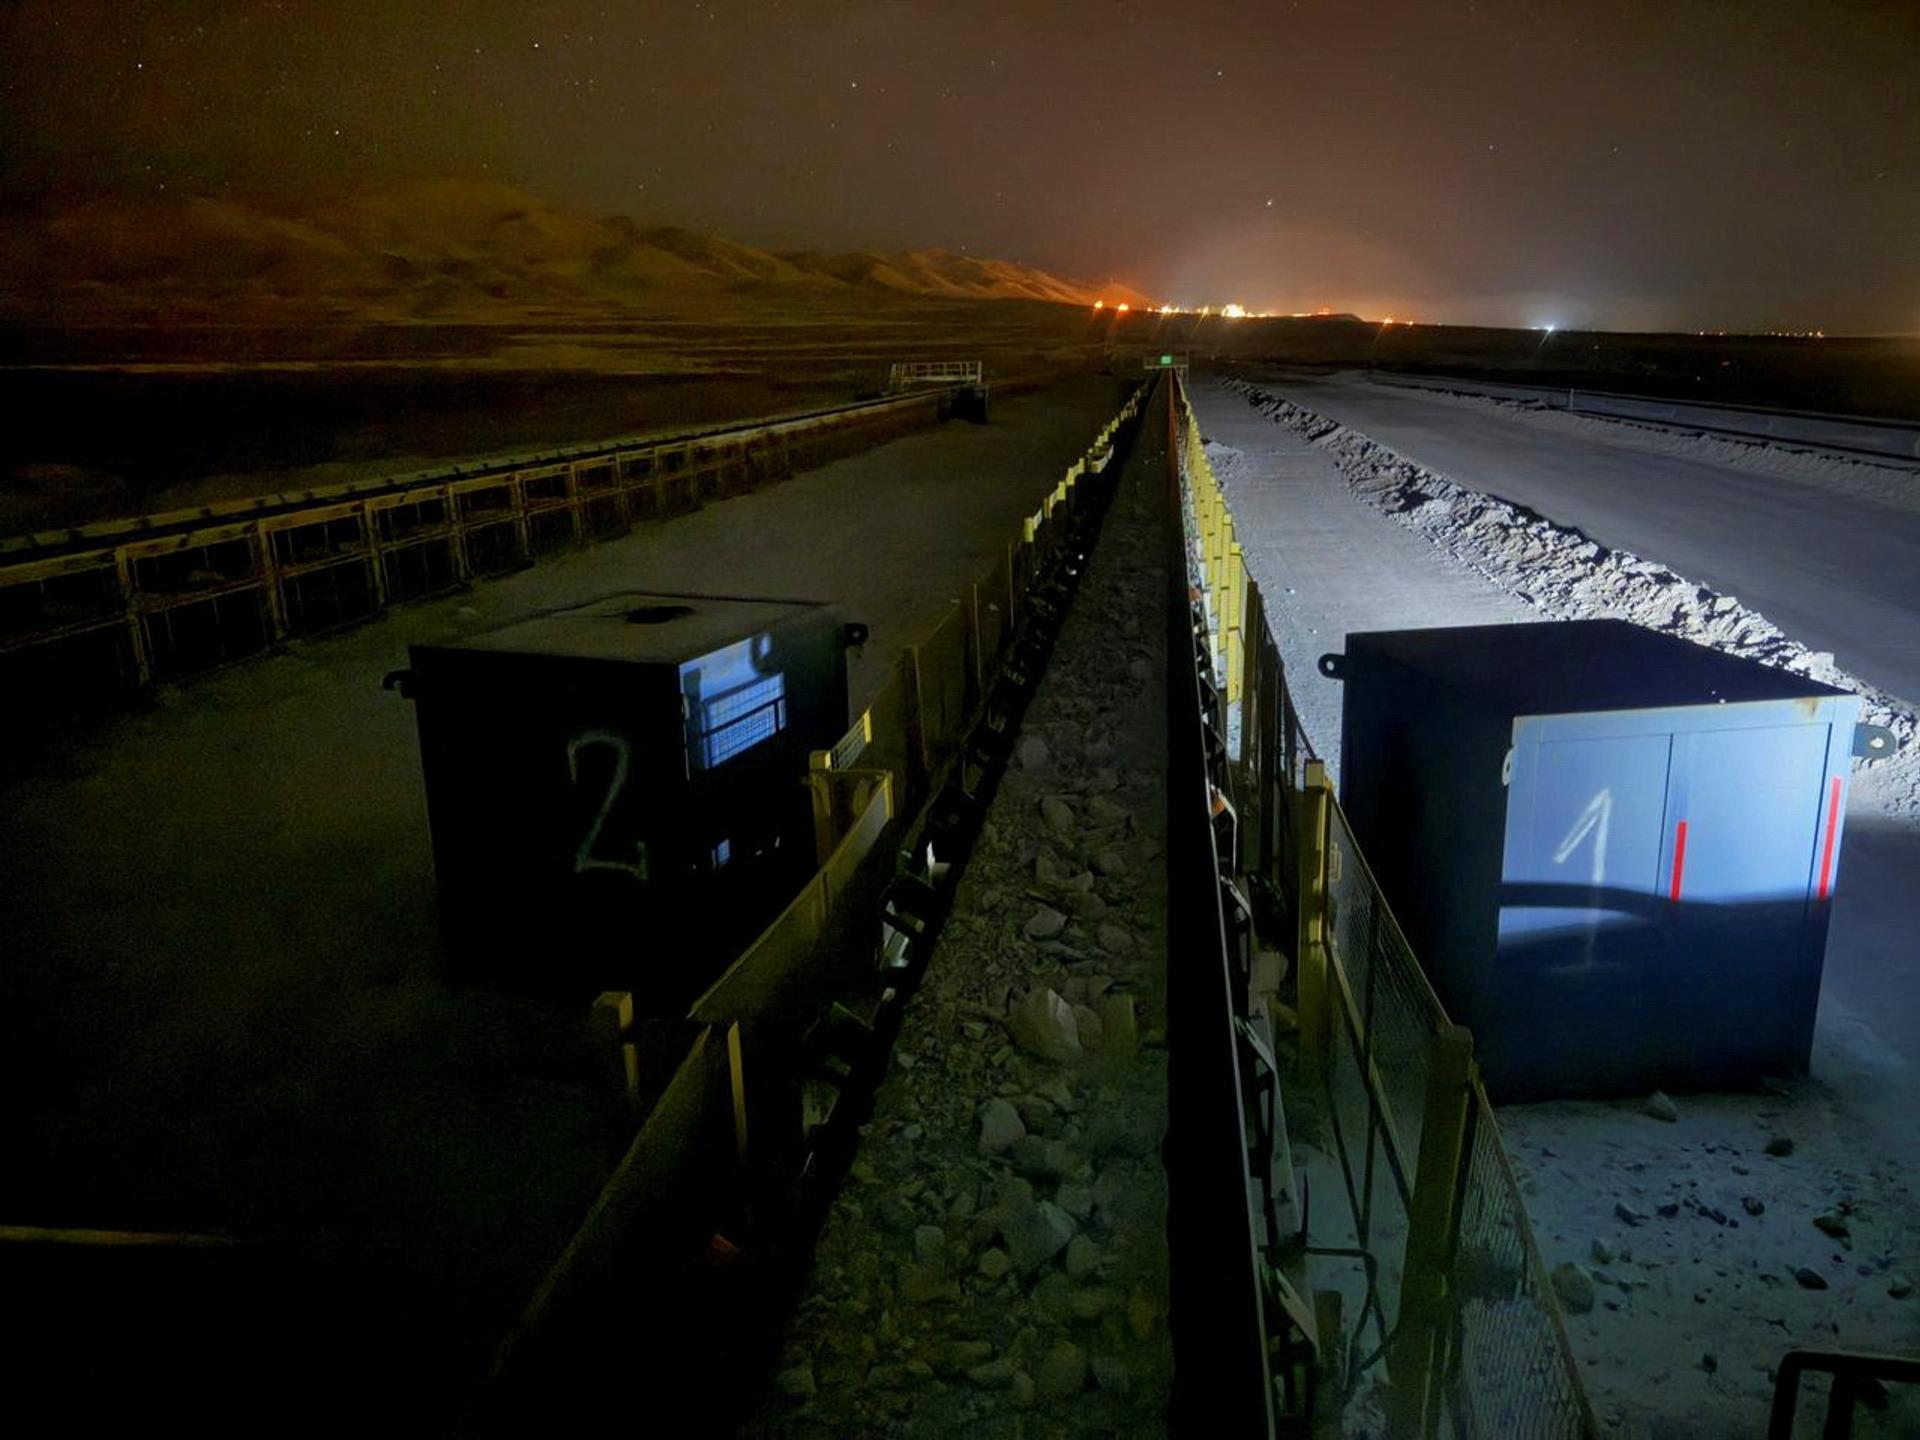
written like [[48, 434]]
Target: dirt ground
[[221, 1008]]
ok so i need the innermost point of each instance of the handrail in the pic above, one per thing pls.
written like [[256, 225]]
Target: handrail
[[115, 1239], [1221, 1344], [42, 544], [1452, 1186], [1848, 1368], [101, 611]]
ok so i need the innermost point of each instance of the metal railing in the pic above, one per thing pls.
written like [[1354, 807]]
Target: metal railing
[[1457, 1308], [1856, 1377], [734, 1133], [905, 374], [1223, 1342], [99, 611]]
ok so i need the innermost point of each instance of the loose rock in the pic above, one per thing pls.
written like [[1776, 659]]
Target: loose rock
[[961, 1356], [1032, 753], [994, 1375], [1661, 1107], [1045, 923], [1091, 1032], [1039, 1159], [1076, 1200], [1574, 1286], [1810, 1279], [1058, 815], [1087, 1306], [1062, 1373], [1035, 1235], [1000, 1126], [1083, 1257], [920, 1283], [1043, 1025]]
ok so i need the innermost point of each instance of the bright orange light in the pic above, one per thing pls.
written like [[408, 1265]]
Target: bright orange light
[[1387, 321], [1232, 312], [1166, 309], [1099, 304], [1123, 307]]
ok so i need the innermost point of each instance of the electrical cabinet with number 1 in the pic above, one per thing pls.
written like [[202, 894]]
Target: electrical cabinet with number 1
[[616, 790], [1614, 852]]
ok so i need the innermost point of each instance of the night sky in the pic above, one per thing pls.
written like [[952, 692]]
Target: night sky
[[1685, 163]]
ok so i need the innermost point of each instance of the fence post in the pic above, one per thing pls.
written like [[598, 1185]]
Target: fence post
[[1310, 953], [1414, 1359], [130, 607], [1236, 623], [919, 743], [737, 1085], [820, 790], [977, 666]]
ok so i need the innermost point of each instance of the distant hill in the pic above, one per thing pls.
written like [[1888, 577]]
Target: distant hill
[[446, 249]]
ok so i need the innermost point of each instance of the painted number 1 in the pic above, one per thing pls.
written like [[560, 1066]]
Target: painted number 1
[[584, 859]]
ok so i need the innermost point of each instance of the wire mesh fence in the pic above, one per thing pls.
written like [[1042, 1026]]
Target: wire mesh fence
[[1458, 1303], [1507, 1368]]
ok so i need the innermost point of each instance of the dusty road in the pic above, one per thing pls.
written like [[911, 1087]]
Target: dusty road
[[1838, 572]]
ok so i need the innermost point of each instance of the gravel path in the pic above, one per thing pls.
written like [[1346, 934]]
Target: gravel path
[[997, 1263]]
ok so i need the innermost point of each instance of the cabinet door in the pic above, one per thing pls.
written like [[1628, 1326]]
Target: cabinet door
[[1746, 941], [1750, 803], [1583, 848]]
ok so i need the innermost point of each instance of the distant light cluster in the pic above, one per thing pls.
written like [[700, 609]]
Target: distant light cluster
[[1232, 311]]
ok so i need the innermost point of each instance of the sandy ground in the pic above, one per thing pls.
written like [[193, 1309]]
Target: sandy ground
[[1695, 1291], [221, 1003], [1828, 552]]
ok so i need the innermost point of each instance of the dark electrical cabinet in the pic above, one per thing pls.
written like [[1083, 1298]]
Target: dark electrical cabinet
[[616, 790], [1613, 851]]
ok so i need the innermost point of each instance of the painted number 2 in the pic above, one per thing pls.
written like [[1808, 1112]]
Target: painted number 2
[[584, 859]]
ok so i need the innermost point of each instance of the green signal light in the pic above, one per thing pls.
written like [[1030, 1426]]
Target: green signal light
[[1166, 359]]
